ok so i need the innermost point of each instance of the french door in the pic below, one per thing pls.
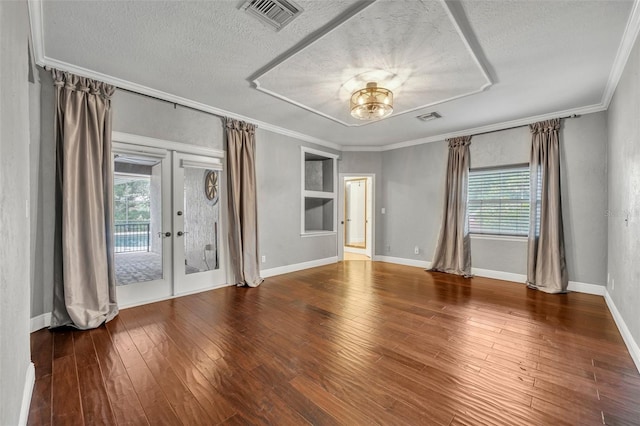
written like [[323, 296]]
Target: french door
[[197, 222], [168, 216]]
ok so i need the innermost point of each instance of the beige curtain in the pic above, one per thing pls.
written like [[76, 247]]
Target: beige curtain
[[84, 281], [546, 265], [453, 253], [243, 203]]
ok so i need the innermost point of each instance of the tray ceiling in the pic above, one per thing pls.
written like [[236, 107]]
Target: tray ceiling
[[434, 65]]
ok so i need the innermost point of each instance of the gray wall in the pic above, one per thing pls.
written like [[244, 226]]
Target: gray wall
[[42, 164], [367, 163], [279, 175], [144, 116], [413, 194], [624, 195], [14, 221]]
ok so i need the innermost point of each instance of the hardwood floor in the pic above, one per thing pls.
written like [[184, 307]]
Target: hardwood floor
[[355, 256], [350, 343]]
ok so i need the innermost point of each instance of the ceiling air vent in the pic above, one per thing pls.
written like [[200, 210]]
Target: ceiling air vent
[[275, 13], [428, 117]]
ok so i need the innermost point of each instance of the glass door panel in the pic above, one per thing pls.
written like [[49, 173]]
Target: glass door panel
[[201, 220], [141, 223], [198, 223]]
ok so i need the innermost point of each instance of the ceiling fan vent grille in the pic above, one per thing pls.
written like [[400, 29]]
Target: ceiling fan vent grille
[[275, 13], [428, 117]]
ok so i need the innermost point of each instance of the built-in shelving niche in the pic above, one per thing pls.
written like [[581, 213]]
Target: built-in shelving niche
[[319, 171]]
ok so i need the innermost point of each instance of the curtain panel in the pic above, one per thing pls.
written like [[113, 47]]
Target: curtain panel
[[453, 252], [243, 203], [546, 263], [84, 277]]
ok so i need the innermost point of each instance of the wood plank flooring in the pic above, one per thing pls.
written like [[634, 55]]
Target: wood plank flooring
[[351, 343]]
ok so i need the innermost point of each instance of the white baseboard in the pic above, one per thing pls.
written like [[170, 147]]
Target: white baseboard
[[402, 261], [29, 382], [41, 321], [632, 345], [266, 273], [576, 286], [499, 275]]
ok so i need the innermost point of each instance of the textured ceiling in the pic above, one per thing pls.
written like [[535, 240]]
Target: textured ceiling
[[434, 65], [541, 56]]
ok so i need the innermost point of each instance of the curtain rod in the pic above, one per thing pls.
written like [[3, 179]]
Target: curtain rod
[[522, 125], [175, 104]]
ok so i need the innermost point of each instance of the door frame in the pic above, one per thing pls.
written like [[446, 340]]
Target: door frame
[[133, 144], [371, 201]]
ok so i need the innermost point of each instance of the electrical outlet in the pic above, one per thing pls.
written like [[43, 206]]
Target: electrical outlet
[[383, 210], [416, 250], [264, 259], [613, 284]]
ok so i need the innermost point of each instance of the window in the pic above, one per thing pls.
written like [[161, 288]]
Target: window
[[499, 201]]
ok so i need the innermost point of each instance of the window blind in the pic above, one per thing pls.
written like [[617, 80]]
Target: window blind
[[499, 201]]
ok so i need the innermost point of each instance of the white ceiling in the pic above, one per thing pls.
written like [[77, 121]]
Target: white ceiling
[[479, 64]]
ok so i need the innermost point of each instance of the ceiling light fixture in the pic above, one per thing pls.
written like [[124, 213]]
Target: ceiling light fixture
[[371, 103]]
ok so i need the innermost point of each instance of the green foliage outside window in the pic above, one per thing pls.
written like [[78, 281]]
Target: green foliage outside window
[[132, 201]]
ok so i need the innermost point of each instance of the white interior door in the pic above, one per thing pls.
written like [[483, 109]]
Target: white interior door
[[198, 223], [142, 224]]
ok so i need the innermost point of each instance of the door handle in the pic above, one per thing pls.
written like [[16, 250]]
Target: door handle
[[164, 234], [180, 233]]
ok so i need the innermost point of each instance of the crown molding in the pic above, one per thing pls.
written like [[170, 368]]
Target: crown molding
[[628, 40], [37, 34], [498, 126], [624, 51], [145, 90], [364, 148]]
